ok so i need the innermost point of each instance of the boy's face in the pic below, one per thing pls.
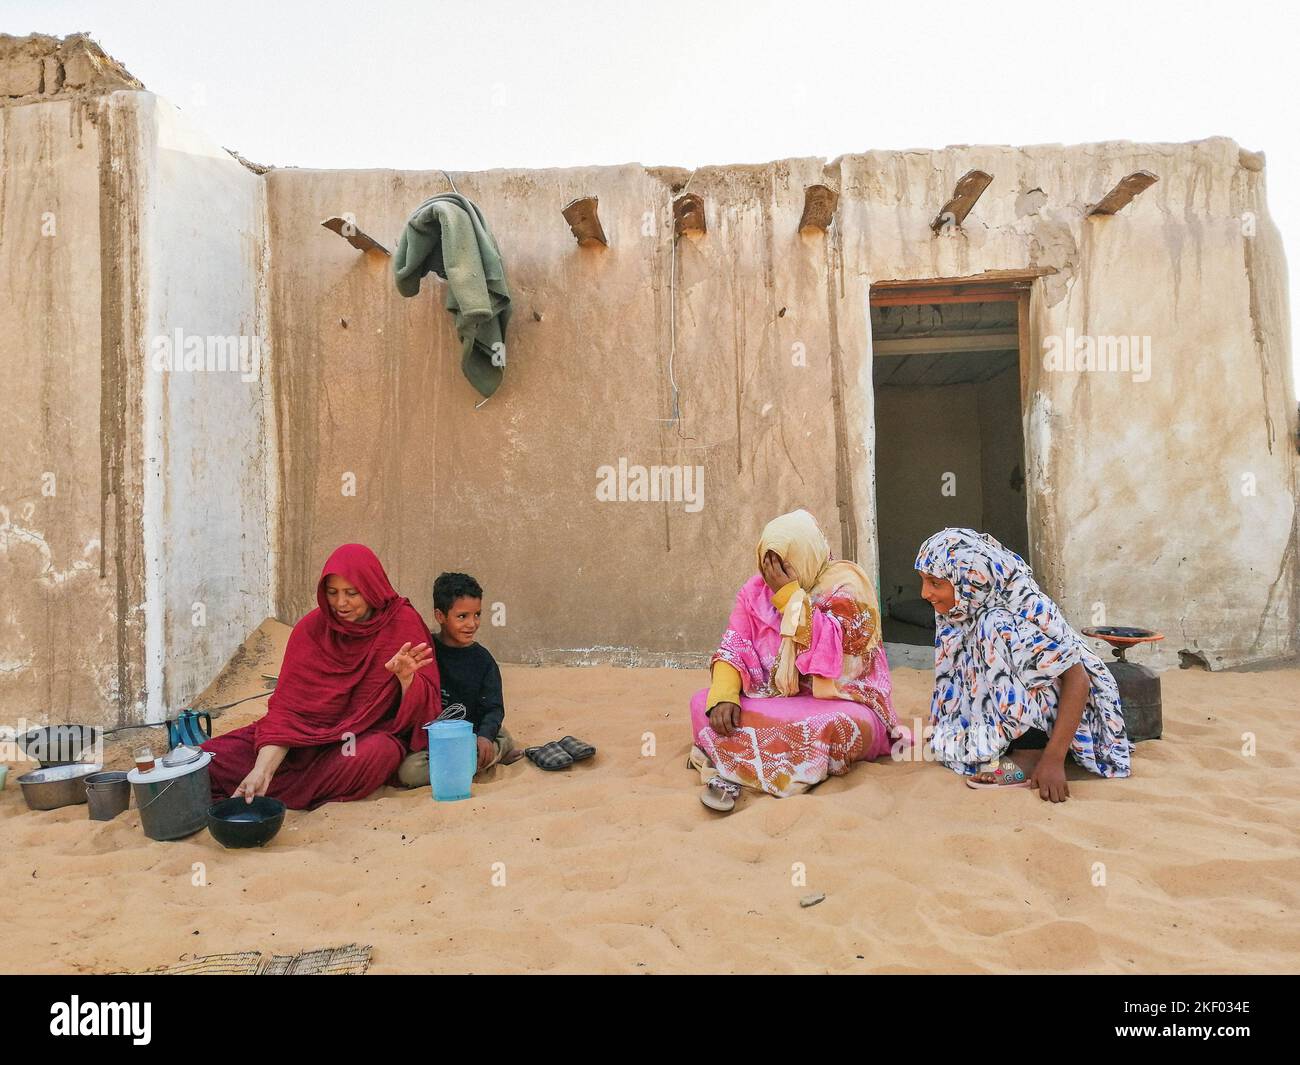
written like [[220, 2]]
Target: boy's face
[[460, 624]]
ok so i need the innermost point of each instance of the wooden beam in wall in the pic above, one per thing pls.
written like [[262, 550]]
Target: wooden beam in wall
[[584, 219], [1026, 355], [688, 215], [819, 203], [992, 286], [949, 344], [969, 188], [1125, 190], [350, 232]]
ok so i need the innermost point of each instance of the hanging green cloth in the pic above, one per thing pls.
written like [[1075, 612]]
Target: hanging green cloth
[[448, 235]]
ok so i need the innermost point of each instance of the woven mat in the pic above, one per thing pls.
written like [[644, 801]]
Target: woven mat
[[351, 960]]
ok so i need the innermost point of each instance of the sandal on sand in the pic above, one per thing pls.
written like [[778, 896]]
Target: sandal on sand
[[549, 756], [1006, 773], [720, 795], [576, 749]]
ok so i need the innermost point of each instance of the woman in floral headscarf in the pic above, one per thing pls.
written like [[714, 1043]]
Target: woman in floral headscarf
[[1011, 677], [800, 684]]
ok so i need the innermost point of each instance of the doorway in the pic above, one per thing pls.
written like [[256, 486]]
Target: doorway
[[947, 371]]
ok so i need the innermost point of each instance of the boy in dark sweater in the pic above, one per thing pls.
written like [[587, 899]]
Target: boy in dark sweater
[[471, 680]]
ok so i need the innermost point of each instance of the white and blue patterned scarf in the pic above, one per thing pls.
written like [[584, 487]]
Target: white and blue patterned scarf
[[997, 654]]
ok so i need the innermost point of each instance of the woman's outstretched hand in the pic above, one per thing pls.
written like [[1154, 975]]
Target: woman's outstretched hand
[[725, 718], [407, 660], [258, 781], [776, 572], [1048, 777]]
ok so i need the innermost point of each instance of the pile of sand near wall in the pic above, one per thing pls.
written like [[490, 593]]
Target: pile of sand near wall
[[614, 866]]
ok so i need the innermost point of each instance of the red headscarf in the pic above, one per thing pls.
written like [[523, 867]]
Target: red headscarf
[[333, 679]]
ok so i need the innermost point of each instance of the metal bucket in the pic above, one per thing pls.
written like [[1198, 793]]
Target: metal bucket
[[108, 795], [174, 808]]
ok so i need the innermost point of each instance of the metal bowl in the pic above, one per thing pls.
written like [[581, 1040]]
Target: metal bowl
[[62, 785], [239, 823]]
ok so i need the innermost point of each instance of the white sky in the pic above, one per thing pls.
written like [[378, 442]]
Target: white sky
[[475, 84]]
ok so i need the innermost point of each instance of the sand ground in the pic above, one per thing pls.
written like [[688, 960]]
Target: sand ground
[[614, 866]]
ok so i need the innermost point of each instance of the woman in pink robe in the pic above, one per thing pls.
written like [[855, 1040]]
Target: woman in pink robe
[[800, 687]]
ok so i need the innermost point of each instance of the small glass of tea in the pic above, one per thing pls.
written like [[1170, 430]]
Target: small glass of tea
[[144, 759]]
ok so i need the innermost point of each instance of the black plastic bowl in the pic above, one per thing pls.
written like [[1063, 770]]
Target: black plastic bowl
[[239, 823]]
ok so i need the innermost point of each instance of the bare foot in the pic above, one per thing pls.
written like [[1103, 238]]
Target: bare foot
[[1025, 761]]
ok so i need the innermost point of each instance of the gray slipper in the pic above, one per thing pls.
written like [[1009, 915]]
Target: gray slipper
[[550, 756], [576, 749]]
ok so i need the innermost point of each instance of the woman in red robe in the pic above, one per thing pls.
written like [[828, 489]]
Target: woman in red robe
[[358, 684]]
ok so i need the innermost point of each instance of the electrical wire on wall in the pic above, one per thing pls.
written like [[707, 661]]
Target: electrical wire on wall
[[676, 418], [672, 332]]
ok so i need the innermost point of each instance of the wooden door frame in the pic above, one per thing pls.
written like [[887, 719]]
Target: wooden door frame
[[994, 286]]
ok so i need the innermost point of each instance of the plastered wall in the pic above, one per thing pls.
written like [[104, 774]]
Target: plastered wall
[[1168, 502], [774, 397], [70, 494], [136, 499]]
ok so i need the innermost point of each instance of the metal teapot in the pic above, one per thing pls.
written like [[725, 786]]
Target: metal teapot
[[189, 728]]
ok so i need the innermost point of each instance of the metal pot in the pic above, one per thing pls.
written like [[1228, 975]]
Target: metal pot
[[63, 785], [173, 799]]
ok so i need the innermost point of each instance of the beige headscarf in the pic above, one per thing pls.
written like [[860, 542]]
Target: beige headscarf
[[799, 541]]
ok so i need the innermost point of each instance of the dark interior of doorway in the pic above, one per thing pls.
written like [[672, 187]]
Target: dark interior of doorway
[[949, 447]]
